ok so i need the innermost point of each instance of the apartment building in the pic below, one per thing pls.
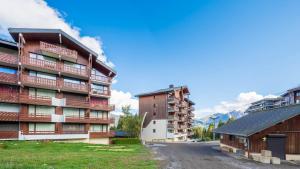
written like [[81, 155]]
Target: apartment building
[[264, 104], [167, 114], [53, 88]]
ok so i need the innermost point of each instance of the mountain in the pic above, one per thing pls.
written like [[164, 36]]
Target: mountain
[[205, 121]]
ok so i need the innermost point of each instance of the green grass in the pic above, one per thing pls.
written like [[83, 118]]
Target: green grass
[[49, 155]]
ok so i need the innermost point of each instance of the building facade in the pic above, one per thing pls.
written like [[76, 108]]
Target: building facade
[[167, 114], [264, 104], [54, 88]]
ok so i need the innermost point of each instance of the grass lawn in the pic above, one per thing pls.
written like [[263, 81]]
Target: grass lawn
[[46, 155]]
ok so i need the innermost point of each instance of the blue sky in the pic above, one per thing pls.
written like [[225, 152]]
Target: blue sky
[[219, 48]]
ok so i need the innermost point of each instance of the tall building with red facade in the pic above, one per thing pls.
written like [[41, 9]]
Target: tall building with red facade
[[53, 87]]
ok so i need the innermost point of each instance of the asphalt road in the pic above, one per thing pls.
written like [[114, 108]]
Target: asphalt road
[[204, 156]]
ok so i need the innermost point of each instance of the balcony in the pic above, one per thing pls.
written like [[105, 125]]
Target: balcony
[[100, 79], [102, 134], [37, 132], [182, 127], [57, 51], [69, 70], [35, 118], [171, 125], [75, 87], [173, 109], [8, 59], [172, 117], [172, 100], [8, 78], [9, 134], [182, 119], [100, 93], [77, 103], [104, 107], [37, 100], [41, 82], [40, 65], [9, 116], [191, 109], [9, 96]]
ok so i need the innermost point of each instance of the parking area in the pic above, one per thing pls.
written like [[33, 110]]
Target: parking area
[[205, 156]]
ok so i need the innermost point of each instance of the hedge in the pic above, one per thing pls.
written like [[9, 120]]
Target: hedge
[[126, 141]]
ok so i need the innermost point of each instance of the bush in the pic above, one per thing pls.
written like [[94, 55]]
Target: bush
[[126, 141]]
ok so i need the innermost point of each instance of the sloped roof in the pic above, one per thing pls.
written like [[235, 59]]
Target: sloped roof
[[258, 121], [161, 91], [52, 35], [9, 44]]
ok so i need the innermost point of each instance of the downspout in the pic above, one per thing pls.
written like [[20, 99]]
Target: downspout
[[142, 123]]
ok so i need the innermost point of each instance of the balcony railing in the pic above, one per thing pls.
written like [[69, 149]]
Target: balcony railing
[[39, 81], [77, 102], [173, 117], [97, 106], [57, 50], [8, 78], [101, 79], [8, 59], [191, 109], [32, 99], [10, 96], [79, 119], [173, 109], [35, 118], [75, 71], [9, 116], [43, 64], [9, 134], [102, 134], [75, 86]]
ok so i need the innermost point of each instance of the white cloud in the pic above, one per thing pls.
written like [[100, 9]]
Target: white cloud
[[38, 14], [241, 103], [120, 98]]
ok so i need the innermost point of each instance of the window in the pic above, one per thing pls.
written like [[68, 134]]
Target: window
[[41, 57], [153, 97], [231, 137], [99, 89], [297, 94], [73, 112], [41, 92], [154, 105], [42, 127], [98, 128], [99, 114], [154, 122], [7, 70], [75, 65], [75, 81], [154, 131], [73, 127], [154, 113], [42, 75], [41, 110]]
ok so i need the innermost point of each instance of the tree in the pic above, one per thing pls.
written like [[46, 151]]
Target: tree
[[130, 123], [198, 132], [221, 123]]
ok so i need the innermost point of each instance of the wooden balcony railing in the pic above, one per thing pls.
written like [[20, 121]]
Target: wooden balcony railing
[[9, 134], [9, 116], [8, 78], [39, 81], [35, 118], [8, 59], [75, 86], [72, 102], [75, 71], [10, 96], [31, 99], [101, 79], [97, 106], [57, 50], [43, 64], [102, 134]]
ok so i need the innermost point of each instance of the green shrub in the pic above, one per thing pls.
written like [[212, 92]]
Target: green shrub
[[126, 141]]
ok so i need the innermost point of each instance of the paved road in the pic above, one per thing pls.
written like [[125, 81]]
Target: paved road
[[204, 156]]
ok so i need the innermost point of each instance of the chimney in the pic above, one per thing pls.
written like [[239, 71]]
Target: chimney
[[171, 86]]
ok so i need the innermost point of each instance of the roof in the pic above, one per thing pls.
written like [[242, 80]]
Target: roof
[[267, 99], [161, 91], [8, 44], [258, 121], [53, 35], [189, 101]]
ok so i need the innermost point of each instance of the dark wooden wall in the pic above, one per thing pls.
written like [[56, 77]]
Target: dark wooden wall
[[159, 111]]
